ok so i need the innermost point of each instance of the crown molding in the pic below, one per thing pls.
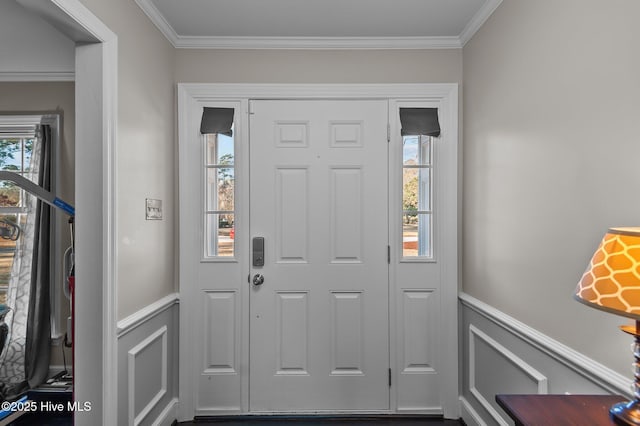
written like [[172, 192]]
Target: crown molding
[[317, 43], [159, 20], [36, 76], [478, 20]]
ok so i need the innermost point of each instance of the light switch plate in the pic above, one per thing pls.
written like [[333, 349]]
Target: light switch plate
[[154, 209]]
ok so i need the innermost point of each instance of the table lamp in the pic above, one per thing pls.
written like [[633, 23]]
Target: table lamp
[[612, 283]]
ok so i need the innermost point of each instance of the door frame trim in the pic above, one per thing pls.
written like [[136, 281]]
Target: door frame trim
[[238, 91], [96, 118], [447, 96]]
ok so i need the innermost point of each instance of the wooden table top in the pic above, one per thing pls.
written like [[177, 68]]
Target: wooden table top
[[559, 410]]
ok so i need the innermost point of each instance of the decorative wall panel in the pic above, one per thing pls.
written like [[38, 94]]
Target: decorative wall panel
[[147, 371]]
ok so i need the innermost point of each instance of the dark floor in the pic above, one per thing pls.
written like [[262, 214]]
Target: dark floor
[[395, 421], [43, 420], [324, 421], [60, 416]]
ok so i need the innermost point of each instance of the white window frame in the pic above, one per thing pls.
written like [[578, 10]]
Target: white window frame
[[22, 123], [422, 239], [437, 203], [206, 166], [239, 204]]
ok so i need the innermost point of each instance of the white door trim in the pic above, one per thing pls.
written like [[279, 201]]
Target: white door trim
[[96, 71], [215, 92], [447, 97]]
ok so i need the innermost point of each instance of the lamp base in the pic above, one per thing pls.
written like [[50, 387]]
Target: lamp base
[[626, 413]]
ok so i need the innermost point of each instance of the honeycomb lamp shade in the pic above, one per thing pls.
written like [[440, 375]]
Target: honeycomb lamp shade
[[612, 279], [612, 283]]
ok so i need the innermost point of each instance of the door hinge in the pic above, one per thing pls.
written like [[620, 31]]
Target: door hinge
[[388, 132], [389, 255], [251, 108], [389, 377]]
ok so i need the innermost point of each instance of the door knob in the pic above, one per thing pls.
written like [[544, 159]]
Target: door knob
[[258, 279]]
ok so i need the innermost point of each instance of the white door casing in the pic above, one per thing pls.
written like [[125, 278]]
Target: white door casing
[[96, 65], [319, 322], [215, 295]]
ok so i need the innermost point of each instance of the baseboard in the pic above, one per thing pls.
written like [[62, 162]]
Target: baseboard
[[169, 415], [302, 419], [469, 414]]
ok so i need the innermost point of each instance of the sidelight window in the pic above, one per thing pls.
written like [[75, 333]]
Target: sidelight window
[[417, 183], [219, 175]]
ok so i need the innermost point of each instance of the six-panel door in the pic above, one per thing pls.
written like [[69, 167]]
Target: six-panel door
[[319, 323]]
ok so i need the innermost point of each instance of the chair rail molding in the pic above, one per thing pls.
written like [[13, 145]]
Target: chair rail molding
[[574, 360], [129, 323]]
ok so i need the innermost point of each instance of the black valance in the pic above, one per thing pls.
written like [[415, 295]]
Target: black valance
[[217, 120], [419, 121]]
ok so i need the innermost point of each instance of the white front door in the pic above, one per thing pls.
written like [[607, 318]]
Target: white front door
[[319, 323], [360, 271]]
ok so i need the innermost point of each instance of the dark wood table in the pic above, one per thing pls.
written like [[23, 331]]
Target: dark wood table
[[559, 410]]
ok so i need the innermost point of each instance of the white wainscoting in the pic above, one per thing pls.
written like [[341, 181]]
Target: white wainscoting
[[502, 355], [148, 364]]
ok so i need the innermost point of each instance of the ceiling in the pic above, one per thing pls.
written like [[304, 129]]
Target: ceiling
[[318, 24]]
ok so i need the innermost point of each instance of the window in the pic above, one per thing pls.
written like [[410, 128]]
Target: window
[[417, 211], [219, 215], [15, 156]]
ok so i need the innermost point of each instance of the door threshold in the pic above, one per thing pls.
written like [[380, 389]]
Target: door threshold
[[293, 418]]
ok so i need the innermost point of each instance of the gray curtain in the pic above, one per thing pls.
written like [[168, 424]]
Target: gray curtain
[[38, 339], [216, 120], [419, 121]]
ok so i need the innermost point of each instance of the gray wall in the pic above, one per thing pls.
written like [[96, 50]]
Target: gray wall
[[551, 131], [146, 152], [31, 46], [149, 67], [145, 169], [318, 66]]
